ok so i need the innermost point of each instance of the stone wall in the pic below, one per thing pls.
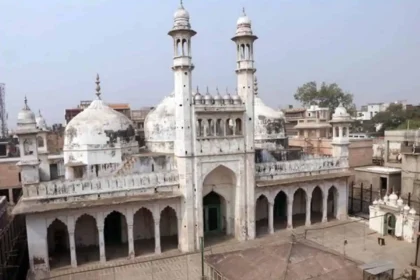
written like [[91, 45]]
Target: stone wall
[[360, 150], [9, 173]]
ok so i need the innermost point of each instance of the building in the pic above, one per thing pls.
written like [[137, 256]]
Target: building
[[213, 165], [138, 117], [292, 116], [120, 107], [314, 136], [367, 112]]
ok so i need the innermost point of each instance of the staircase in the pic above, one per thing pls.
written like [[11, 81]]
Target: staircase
[[126, 166]]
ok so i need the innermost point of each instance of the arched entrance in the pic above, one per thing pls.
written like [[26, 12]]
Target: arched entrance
[[389, 224], [219, 188], [168, 229], [87, 239], [143, 232], [332, 204], [261, 215], [115, 236], [280, 211], [58, 244], [316, 205], [212, 213], [299, 208]]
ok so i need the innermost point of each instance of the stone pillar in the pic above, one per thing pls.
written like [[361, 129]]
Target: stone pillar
[[131, 252], [324, 208], [290, 213], [270, 217], [340, 133], [11, 200], [100, 224], [72, 249], [308, 210], [157, 236]]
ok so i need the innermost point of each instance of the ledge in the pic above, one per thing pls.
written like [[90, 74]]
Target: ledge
[[302, 179], [26, 207]]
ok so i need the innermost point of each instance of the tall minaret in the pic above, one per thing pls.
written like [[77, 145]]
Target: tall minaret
[[244, 39], [182, 67]]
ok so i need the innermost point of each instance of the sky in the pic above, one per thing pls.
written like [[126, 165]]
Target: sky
[[51, 50]]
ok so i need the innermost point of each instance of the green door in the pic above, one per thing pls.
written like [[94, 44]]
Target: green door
[[212, 220]]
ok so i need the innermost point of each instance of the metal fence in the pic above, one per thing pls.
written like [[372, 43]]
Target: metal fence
[[13, 249]]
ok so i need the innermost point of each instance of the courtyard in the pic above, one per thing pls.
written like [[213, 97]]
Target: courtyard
[[351, 238]]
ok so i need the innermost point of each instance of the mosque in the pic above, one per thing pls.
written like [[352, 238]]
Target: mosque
[[213, 165]]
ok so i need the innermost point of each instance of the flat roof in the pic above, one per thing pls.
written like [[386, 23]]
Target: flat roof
[[379, 169]]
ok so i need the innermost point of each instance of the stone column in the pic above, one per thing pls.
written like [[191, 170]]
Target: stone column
[[270, 217], [308, 210], [72, 248], [131, 252], [290, 213], [11, 200], [157, 236], [324, 208], [340, 133], [101, 242]]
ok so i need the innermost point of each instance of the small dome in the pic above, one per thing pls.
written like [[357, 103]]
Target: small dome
[[26, 116], [236, 98], [243, 20], [227, 98], [208, 97], [217, 97], [375, 202], [412, 211], [40, 122], [393, 196], [400, 202], [198, 97], [406, 208], [181, 13]]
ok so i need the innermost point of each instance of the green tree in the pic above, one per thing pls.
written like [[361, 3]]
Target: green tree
[[327, 95], [397, 117]]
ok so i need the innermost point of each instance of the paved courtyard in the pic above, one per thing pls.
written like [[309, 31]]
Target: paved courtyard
[[351, 238]]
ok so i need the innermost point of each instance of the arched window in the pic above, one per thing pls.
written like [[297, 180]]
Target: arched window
[[210, 127], [178, 47], [184, 47], [337, 132], [40, 141], [229, 127], [242, 51], [344, 131], [200, 128], [238, 126], [219, 127], [247, 52]]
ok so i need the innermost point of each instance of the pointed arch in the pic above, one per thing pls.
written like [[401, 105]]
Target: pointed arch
[[261, 215], [332, 203], [299, 207], [280, 210], [220, 175], [168, 227], [87, 239], [316, 205], [115, 235], [143, 231], [58, 244]]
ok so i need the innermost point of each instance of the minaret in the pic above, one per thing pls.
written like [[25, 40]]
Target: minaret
[[341, 122], [28, 146], [182, 67], [244, 39]]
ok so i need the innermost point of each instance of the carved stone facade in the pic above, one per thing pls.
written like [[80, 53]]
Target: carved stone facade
[[198, 175]]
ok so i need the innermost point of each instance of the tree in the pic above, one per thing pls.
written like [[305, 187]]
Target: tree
[[397, 117], [326, 96]]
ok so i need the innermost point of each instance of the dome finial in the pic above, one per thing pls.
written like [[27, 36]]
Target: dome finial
[[197, 90], [207, 89], [39, 113], [98, 87], [243, 11], [182, 4], [26, 107]]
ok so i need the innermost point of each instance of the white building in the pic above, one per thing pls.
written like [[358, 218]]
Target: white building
[[391, 217], [367, 112], [212, 165]]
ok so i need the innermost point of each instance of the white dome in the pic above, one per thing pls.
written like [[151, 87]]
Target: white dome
[[243, 20], [269, 123], [181, 13], [26, 119], [96, 124], [40, 122], [159, 125]]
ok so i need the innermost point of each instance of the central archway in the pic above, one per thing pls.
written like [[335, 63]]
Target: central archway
[[58, 244], [280, 211], [299, 208], [219, 188], [261, 215], [316, 205]]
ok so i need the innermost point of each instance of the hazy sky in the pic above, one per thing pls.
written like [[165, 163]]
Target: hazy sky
[[51, 50]]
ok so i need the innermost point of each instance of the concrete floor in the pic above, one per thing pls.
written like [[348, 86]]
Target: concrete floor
[[361, 244]]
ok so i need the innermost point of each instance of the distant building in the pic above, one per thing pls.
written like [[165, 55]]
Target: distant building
[[292, 115], [123, 108], [367, 112], [138, 117]]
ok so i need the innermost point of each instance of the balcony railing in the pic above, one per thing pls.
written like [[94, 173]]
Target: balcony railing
[[286, 169], [103, 187]]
